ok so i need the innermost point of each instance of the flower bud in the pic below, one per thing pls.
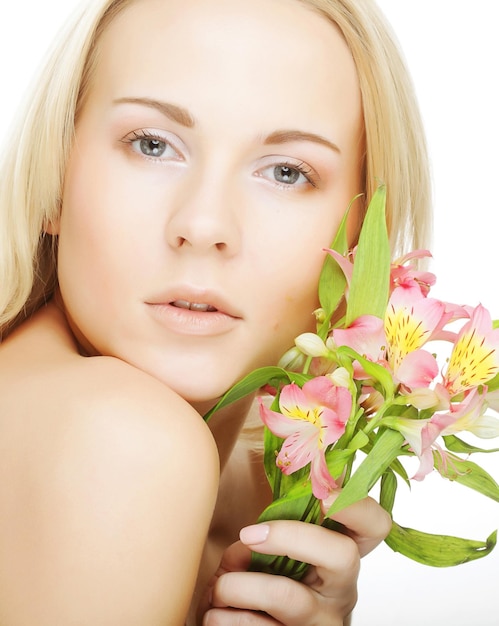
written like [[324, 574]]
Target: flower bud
[[341, 377], [320, 315], [311, 344], [292, 360]]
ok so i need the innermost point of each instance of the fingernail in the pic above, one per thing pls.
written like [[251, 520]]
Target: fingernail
[[257, 533]]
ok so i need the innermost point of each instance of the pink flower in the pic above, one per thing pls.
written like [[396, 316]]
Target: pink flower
[[402, 275], [421, 435], [475, 356], [411, 320], [311, 418], [469, 415]]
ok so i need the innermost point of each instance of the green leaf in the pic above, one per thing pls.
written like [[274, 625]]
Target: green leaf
[[272, 443], [385, 450], [360, 440], [493, 383], [388, 490], [374, 370], [299, 504], [254, 381], [468, 474], [292, 506], [454, 444], [332, 281], [399, 469], [336, 461], [438, 550], [368, 294]]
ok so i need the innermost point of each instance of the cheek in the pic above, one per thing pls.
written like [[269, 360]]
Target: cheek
[[291, 294]]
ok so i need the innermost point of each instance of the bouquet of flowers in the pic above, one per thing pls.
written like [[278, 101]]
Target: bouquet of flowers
[[364, 391]]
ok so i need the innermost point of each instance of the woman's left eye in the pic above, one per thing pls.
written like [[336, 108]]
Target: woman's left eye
[[290, 175]]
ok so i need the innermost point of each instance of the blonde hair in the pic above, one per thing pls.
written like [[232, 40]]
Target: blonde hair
[[32, 176], [396, 152]]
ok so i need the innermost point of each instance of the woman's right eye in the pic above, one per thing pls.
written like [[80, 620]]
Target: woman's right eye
[[152, 146]]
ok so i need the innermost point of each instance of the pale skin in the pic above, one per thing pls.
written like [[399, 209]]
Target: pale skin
[[211, 174]]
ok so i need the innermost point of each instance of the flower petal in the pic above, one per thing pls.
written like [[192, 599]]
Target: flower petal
[[299, 449], [417, 369], [322, 481], [365, 335], [278, 423], [475, 357]]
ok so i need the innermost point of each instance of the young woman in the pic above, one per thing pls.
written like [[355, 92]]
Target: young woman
[[164, 204]]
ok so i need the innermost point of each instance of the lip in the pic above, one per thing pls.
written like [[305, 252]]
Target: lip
[[220, 317]]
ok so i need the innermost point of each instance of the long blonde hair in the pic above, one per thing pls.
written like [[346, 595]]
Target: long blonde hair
[[396, 152], [32, 175]]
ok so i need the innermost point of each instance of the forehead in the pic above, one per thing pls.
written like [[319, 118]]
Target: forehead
[[270, 51]]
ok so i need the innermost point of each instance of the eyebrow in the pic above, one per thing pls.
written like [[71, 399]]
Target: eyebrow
[[172, 111], [284, 136], [184, 118]]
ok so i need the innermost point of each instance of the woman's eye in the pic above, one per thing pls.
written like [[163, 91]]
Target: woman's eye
[[152, 146], [290, 175]]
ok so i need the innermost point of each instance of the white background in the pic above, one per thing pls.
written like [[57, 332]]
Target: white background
[[452, 50]]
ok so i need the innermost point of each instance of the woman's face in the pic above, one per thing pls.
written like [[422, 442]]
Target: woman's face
[[215, 155]]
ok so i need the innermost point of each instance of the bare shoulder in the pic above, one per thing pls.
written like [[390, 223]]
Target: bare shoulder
[[107, 394], [112, 484]]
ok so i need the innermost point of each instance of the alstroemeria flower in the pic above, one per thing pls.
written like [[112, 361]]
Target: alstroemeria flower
[[421, 435], [411, 320], [402, 275], [469, 415], [310, 419], [475, 356]]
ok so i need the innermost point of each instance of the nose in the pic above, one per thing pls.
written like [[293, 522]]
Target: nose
[[204, 216]]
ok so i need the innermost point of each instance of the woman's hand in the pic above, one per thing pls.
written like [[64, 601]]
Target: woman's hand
[[327, 594]]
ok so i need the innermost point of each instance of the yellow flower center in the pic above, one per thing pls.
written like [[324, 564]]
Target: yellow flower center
[[471, 363], [309, 415], [404, 334]]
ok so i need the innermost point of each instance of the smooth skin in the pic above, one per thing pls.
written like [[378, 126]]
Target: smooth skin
[[212, 174]]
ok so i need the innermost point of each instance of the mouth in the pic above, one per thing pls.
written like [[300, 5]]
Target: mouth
[[194, 314], [200, 307]]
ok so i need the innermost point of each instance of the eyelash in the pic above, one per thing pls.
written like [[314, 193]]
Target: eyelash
[[301, 167], [311, 177], [145, 135]]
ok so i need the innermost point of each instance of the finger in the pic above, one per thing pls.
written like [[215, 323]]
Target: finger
[[283, 600], [331, 553], [236, 558], [366, 522], [236, 617]]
